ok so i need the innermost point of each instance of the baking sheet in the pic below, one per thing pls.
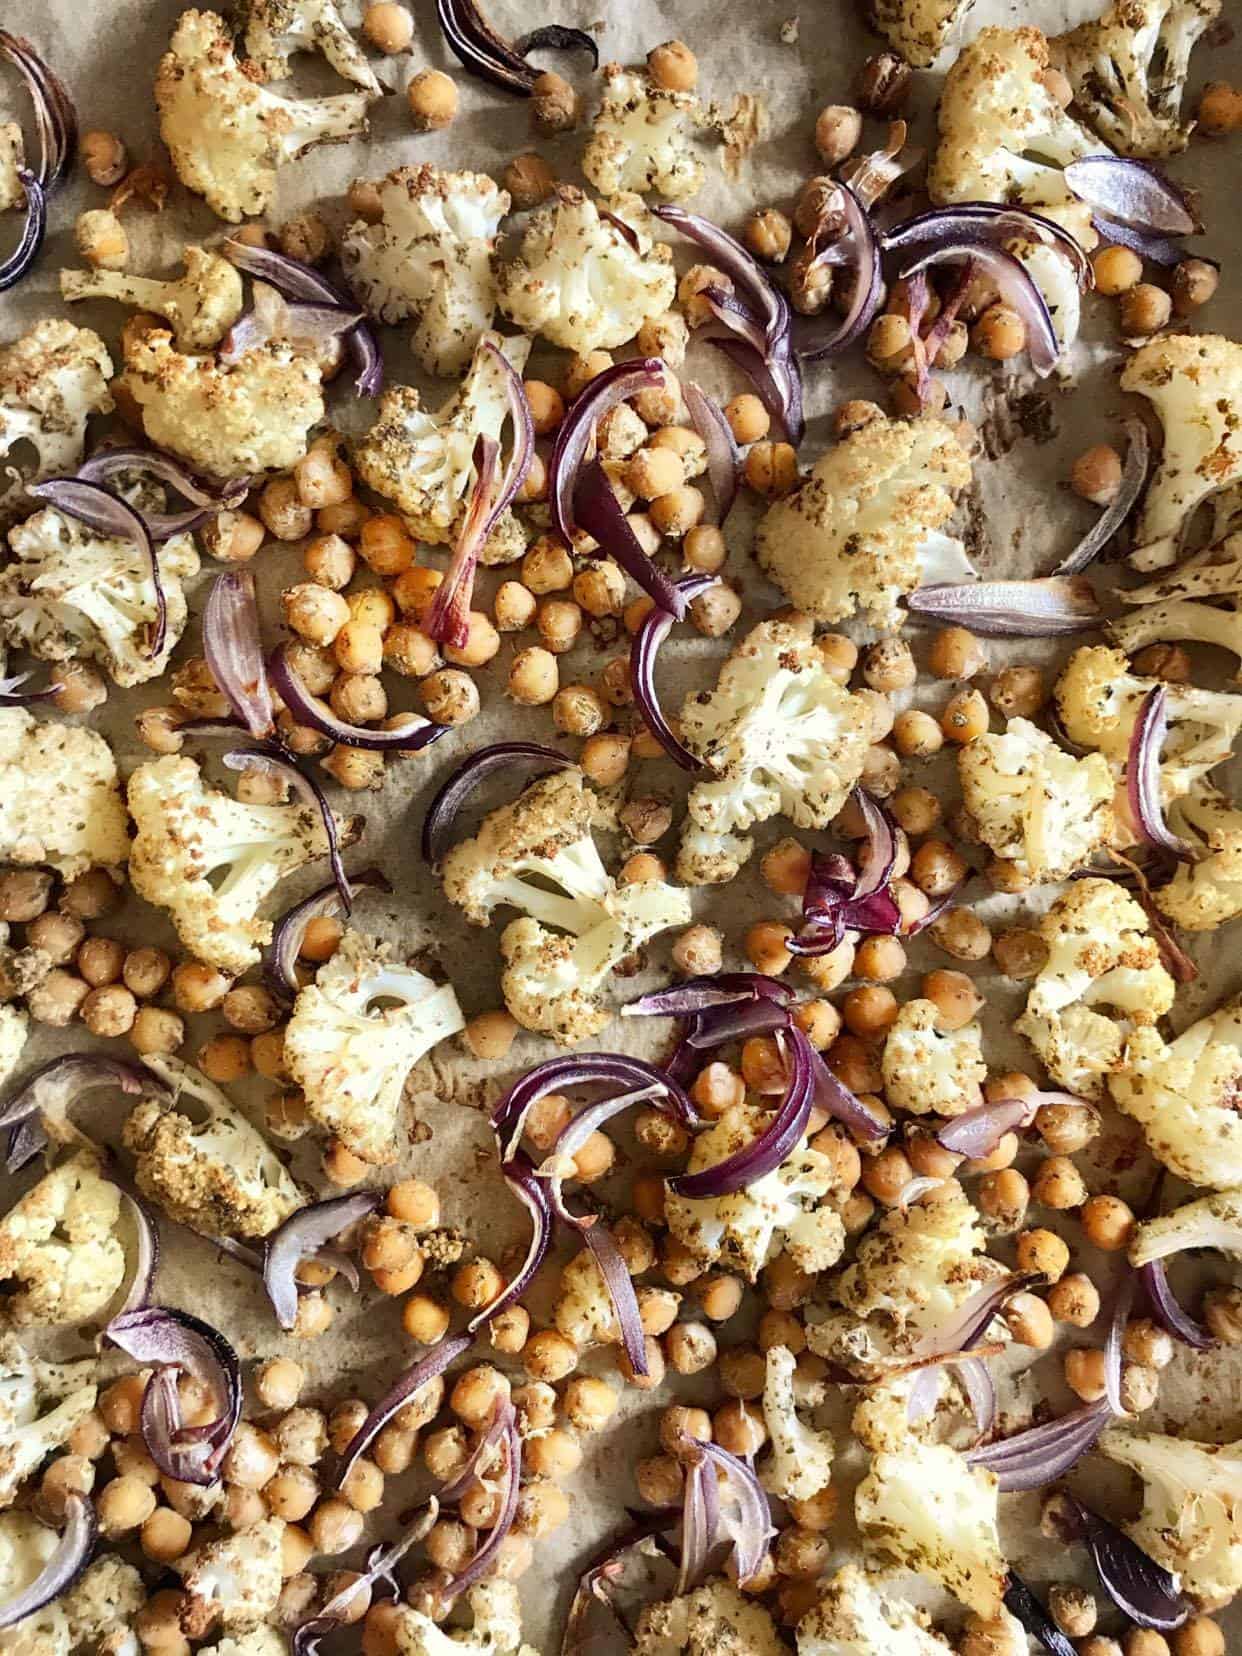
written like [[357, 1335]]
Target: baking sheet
[[108, 52]]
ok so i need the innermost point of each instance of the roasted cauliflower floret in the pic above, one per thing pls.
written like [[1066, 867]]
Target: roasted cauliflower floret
[[251, 417], [929, 1070], [198, 1158], [1213, 1221], [233, 1582], [1207, 893], [584, 1310], [276, 30], [1194, 383], [212, 861], [643, 138], [105, 1598], [1128, 70], [60, 800], [926, 1509], [778, 734], [202, 305], [581, 280], [863, 530], [60, 1255], [1036, 806], [1100, 954], [351, 1057], [259, 1641], [496, 1630], [1191, 1520], [1186, 1095], [227, 135], [715, 1620], [69, 592], [918, 30], [40, 1405], [52, 380], [784, 1211], [800, 1464], [26, 1549], [852, 1617], [12, 160], [14, 1033], [1179, 621], [424, 462], [431, 256]]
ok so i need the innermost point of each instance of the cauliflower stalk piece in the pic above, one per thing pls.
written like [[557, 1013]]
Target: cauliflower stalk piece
[[26, 1549], [852, 1617], [199, 1158], [642, 138], [227, 135], [779, 735], [59, 1246], [60, 800], [800, 1464], [276, 30], [1208, 1222], [584, 1310], [863, 530], [350, 1058], [431, 255], [1186, 1094], [424, 462], [559, 957], [1207, 893], [1192, 381], [1036, 806], [925, 1508], [583, 282], [496, 1631], [70, 592], [929, 1070], [212, 861], [1100, 954], [40, 1406], [52, 380], [252, 416], [715, 1620], [782, 1211], [1128, 69], [234, 1582], [202, 305], [1181, 621], [1191, 1520]]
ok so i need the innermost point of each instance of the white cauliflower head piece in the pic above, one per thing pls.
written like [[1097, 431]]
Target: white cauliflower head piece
[[212, 862], [40, 1406], [26, 1549], [202, 305], [1205, 894], [276, 30], [642, 137], [863, 530], [1186, 1094], [852, 1617], [779, 735], [715, 1620], [583, 281], [12, 160], [60, 799], [104, 1599], [233, 1582], [800, 1462], [52, 380], [496, 1629], [60, 1253], [1191, 1520], [351, 1056], [1103, 977], [430, 255], [1036, 806], [227, 135], [930, 1070]]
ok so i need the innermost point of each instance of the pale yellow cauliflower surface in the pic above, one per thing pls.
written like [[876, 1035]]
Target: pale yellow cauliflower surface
[[60, 800]]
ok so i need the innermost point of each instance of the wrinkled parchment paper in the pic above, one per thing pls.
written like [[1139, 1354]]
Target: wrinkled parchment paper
[[1021, 517]]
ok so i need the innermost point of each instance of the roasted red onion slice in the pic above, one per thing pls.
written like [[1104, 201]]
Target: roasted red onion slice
[[989, 223], [1133, 476], [879, 855], [146, 1256], [972, 1318], [313, 330], [603, 1568], [1054, 608], [62, 1569], [21, 260], [785, 1131], [723, 459], [842, 1105], [171, 1341], [868, 287], [55, 1085], [489, 56], [1015, 285], [728, 254], [207, 497], [105, 512], [26, 1140], [747, 1518], [1148, 1593], [735, 1023], [299, 281], [482, 1561], [508, 1115], [555, 37], [303, 1234], [532, 1192], [470, 775], [1168, 1312], [702, 994], [380, 1566], [12, 694], [399, 1394], [598, 511], [234, 650], [577, 429], [270, 760], [1042, 1454], [309, 710], [1143, 783], [280, 962], [977, 1133], [1022, 1604], [871, 176], [55, 116], [649, 636], [1161, 250], [980, 1389], [617, 1280], [700, 1523], [778, 383], [1122, 1307], [1132, 191]]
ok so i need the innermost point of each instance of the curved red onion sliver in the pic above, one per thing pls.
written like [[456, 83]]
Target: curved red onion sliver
[[70, 1558], [519, 1175], [34, 231], [1058, 606], [508, 1114], [976, 1133], [309, 710], [1168, 1311], [1143, 779], [1133, 476], [723, 457], [649, 636], [598, 511], [868, 283], [465, 778], [280, 960], [302, 1234], [1042, 1454], [1017, 287], [604, 392], [1112, 1346], [398, 1395], [1132, 191], [234, 650], [482, 1561]]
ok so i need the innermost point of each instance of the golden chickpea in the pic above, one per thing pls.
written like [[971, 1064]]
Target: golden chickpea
[[654, 1356], [432, 100], [335, 1526], [1075, 1299], [765, 947], [450, 697], [717, 1088], [837, 131], [1043, 1252], [1145, 309], [768, 233], [553, 105], [1222, 1312], [1096, 474], [965, 716], [1003, 1198], [529, 180], [388, 27], [713, 612], [771, 469], [957, 653], [1117, 269], [990, 1638], [660, 1480], [889, 665], [699, 951], [1193, 283], [916, 735], [104, 158], [559, 623], [1000, 333], [886, 1175], [673, 66], [1073, 1609], [123, 1505], [1084, 1373], [1199, 1637], [748, 419], [1059, 1185], [1108, 1222], [738, 1426], [937, 868], [704, 549]]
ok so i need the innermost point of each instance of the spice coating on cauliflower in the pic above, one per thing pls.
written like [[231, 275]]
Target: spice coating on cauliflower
[[800, 1464], [40, 1406], [496, 1631], [1205, 894], [1100, 954], [929, 1070], [1128, 70], [852, 1617], [275, 30], [59, 1245], [918, 30], [431, 255], [1213, 1221], [188, 833], [925, 1508], [260, 1641], [231, 422], [234, 1581], [779, 734], [350, 1058], [60, 800], [1036, 806], [714, 1620], [584, 1312], [583, 282], [227, 135], [52, 380], [642, 137], [1191, 1520], [202, 305], [856, 534], [1186, 1094], [71, 593], [424, 462], [106, 1597], [1179, 621]]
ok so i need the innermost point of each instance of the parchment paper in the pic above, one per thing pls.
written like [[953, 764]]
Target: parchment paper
[[108, 51]]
